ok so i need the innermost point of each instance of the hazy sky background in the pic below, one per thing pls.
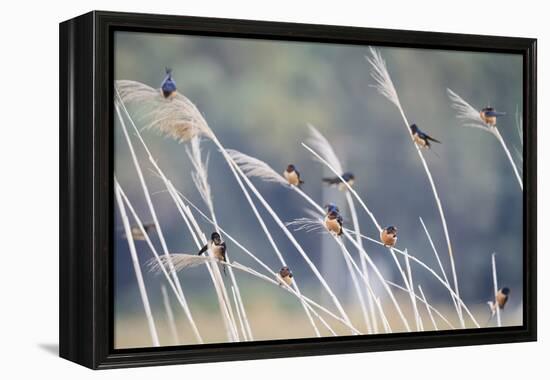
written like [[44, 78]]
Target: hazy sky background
[[258, 96]]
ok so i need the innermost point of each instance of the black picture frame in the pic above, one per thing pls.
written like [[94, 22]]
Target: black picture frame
[[86, 183]]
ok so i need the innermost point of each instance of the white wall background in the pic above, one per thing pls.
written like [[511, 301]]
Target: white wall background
[[29, 171]]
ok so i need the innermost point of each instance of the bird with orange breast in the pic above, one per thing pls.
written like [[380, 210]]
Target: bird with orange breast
[[500, 300], [292, 176], [489, 116], [388, 236], [334, 222], [217, 247], [422, 139], [285, 275]]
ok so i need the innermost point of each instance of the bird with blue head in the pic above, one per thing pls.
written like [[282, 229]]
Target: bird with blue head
[[489, 115], [168, 86], [334, 222]]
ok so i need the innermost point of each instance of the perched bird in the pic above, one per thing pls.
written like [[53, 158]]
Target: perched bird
[[292, 175], [334, 221], [168, 86], [500, 300], [348, 177], [136, 231], [285, 275], [217, 247], [388, 236], [422, 139], [489, 116]]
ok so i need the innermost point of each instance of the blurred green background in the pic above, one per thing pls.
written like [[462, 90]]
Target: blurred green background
[[258, 96]]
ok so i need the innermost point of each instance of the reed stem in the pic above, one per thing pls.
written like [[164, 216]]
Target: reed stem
[[137, 271], [155, 218]]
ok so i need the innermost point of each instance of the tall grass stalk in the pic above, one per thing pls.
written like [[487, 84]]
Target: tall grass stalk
[[371, 320], [137, 271], [367, 210], [201, 182], [385, 322], [419, 325], [434, 274], [428, 310], [250, 254], [384, 284], [327, 151], [244, 249], [257, 168], [153, 213], [438, 260], [311, 225], [519, 152], [244, 332], [223, 300], [473, 120], [181, 123], [437, 277], [509, 156], [139, 223], [279, 222], [169, 315], [384, 85], [183, 261], [432, 308], [213, 269], [307, 300], [363, 253], [367, 282], [254, 167], [233, 167], [359, 292], [495, 285]]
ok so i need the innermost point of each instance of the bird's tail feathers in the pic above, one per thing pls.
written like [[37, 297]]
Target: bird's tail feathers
[[492, 307]]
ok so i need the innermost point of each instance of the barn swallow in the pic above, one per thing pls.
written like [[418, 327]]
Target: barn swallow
[[500, 300], [334, 221], [422, 139], [217, 247], [168, 86], [348, 177], [285, 275], [388, 236], [489, 116], [136, 231], [292, 175]]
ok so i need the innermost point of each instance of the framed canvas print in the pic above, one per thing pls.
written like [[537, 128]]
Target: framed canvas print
[[239, 189]]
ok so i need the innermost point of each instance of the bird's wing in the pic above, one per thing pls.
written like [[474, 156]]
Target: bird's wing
[[299, 177], [494, 113], [432, 139], [203, 249]]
